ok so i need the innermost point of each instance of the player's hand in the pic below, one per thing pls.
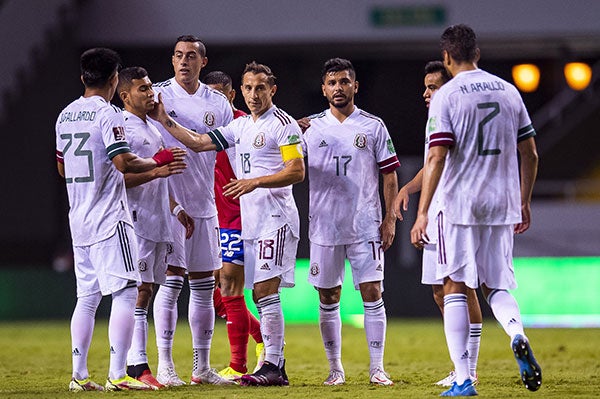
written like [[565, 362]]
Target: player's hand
[[304, 123], [401, 203], [158, 112], [178, 153], [387, 231], [525, 219], [418, 233], [237, 188], [187, 222]]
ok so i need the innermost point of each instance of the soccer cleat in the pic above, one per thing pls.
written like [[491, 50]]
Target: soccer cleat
[[284, 377], [465, 389], [84, 385], [268, 375], [447, 381], [209, 376], [230, 373], [335, 377], [147, 378], [260, 356], [380, 377], [530, 370], [125, 384], [169, 378]]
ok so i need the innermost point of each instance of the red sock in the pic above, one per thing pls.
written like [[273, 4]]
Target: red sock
[[255, 328], [219, 306], [238, 326]]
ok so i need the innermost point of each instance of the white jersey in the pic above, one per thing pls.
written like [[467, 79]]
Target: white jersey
[[264, 210], [481, 118], [148, 202], [344, 162], [201, 112], [89, 133]]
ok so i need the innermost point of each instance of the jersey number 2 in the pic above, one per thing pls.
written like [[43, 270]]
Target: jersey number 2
[[495, 111]]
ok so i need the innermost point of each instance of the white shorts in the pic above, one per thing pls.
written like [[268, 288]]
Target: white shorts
[[272, 255], [152, 260], [108, 265], [327, 266], [202, 251], [477, 255], [430, 257]]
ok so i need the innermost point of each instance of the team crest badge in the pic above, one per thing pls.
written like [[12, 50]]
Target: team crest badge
[[119, 133], [209, 119], [360, 141], [259, 141], [142, 266], [314, 269]]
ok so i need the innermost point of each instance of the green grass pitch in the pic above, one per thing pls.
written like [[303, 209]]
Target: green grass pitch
[[35, 362]]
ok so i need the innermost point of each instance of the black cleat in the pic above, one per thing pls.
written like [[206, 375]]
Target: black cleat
[[531, 372], [267, 375]]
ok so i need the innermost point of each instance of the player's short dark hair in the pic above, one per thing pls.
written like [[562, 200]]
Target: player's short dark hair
[[217, 77], [257, 68], [460, 42], [193, 39], [437, 67], [98, 65], [337, 65], [127, 75]]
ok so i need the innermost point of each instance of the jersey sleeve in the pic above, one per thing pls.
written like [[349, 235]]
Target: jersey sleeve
[[526, 129], [385, 153], [112, 126], [289, 139], [224, 137], [439, 123]]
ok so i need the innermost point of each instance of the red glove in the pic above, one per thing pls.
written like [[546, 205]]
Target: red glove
[[163, 157]]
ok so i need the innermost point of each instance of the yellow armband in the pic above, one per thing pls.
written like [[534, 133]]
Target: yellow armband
[[291, 151]]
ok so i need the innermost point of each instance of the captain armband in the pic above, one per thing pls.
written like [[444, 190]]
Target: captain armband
[[291, 151]]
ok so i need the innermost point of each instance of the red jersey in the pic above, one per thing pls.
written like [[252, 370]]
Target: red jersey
[[228, 208]]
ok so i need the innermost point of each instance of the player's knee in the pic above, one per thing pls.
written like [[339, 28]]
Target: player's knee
[[330, 296]]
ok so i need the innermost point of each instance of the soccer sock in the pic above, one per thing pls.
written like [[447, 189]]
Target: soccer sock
[[506, 311], [165, 319], [375, 327], [272, 327], [254, 328], [120, 329], [219, 305], [201, 317], [456, 328], [330, 323], [139, 341], [238, 326], [82, 329], [473, 347]]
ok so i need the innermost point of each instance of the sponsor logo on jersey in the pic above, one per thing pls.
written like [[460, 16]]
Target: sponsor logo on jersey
[[390, 146], [265, 267], [172, 114], [360, 141], [119, 133], [379, 268], [259, 141], [142, 266], [323, 143], [314, 269], [209, 119]]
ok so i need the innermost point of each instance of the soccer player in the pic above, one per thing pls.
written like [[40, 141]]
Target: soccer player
[[347, 150], [92, 153], [229, 294], [435, 77], [148, 197], [270, 160], [476, 126], [200, 109]]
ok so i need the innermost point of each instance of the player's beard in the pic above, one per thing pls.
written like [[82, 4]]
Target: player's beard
[[338, 104]]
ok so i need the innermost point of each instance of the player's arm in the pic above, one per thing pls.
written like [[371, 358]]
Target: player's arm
[[529, 165], [388, 226], [432, 172], [186, 220], [137, 179], [292, 173], [127, 162], [401, 201], [61, 168], [194, 141]]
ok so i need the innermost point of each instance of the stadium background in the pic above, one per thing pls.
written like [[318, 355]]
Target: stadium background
[[389, 43]]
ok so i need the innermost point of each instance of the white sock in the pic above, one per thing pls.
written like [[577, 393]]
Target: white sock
[[506, 311], [120, 329], [272, 327], [82, 329], [330, 323], [456, 328], [473, 347], [137, 352], [201, 315], [165, 319], [375, 327]]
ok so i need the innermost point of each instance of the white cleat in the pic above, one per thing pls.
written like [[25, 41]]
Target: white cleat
[[210, 376], [335, 378], [168, 377], [380, 377], [447, 381]]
